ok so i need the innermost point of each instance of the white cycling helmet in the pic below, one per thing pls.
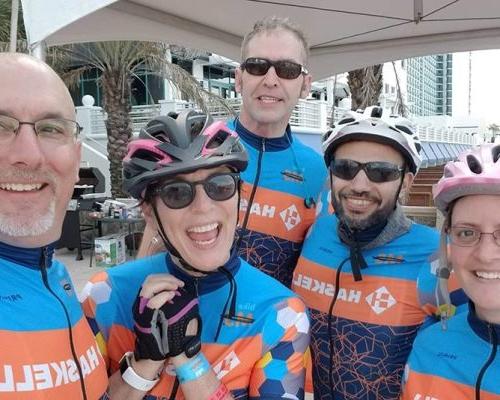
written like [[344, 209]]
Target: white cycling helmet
[[405, 125], [371, 127]]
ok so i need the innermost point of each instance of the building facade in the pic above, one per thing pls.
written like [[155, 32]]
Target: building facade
[[429, 85]]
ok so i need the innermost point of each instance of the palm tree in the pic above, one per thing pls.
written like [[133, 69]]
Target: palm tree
[[5, 16], [118, 63], [365, 85], [401, 107], [495, 129]]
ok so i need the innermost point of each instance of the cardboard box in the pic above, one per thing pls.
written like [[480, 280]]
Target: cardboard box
[[109, 250]]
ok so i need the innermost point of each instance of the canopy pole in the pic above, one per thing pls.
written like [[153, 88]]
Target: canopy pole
[[13, 25], [418, 10]]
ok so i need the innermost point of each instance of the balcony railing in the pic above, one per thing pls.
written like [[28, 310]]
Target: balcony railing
[[310, 116]]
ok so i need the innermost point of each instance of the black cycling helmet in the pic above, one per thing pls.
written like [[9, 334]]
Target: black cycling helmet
[[178, 144]]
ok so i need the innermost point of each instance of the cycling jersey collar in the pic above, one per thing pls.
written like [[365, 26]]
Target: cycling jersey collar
[[258, 142], [25, 256], [210, 282], [481, 328]]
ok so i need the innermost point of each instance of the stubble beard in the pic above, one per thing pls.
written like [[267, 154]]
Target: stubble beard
[[359, 224]]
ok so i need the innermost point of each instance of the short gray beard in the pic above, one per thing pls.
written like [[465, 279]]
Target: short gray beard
[[24, 222], [27, 224]]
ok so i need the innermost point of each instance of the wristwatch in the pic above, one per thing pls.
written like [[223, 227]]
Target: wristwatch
[[132, 378]]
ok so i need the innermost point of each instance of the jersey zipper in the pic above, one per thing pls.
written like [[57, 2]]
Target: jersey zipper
[[493, 339], [44, 265], [255, 184]]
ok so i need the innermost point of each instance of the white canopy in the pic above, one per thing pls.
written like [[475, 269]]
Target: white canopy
[[343, 34]]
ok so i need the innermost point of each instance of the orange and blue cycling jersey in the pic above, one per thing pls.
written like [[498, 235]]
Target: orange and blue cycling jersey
[[374, 321], [261, 358], [280, 187], [458, 363], [36, 357]]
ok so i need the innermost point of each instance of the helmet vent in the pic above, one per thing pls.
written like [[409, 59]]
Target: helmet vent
[[217, 140], [447, 173], [146, 155], [495, 153], [474, 164], [405, 129], [162, 137], [346, 121], [197, 127]]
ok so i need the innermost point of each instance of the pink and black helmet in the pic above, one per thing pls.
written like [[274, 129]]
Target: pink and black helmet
[[477, 171], [178, 144]]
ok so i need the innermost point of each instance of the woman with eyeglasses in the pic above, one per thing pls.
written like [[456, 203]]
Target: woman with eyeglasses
[[196, 322], [462, 360]]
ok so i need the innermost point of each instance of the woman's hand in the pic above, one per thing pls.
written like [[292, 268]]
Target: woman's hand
[[160, 288], [167, 320]]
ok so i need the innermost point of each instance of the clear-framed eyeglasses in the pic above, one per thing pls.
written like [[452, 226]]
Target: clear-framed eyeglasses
[[465, 236], [48, 130]]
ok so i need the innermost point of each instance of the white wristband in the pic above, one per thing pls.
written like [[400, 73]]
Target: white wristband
[[130, 377]]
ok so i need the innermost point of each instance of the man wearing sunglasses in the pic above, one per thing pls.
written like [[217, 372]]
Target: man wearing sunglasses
[[47, 347], [358, 268], [284, 177]]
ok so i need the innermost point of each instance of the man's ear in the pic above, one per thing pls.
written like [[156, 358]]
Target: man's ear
[[78, 156], [407, 182], [306, 86], [238, 73]]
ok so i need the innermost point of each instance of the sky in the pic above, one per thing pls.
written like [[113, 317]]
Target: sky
[[485, 85]]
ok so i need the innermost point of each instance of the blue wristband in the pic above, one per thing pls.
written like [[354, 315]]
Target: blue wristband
[[193, 369]]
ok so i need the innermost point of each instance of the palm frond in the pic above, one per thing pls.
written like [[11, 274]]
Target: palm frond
[[5, 9]]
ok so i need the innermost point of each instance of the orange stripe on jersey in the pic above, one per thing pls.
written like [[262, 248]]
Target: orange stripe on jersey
[[386, 301], [51, 370], [232, 365], [89, 307], [120, 341], [99, 277], [431, 387], [276, 213]]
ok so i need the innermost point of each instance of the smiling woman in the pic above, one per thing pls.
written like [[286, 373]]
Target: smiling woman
[[186, 170], [469, 188]]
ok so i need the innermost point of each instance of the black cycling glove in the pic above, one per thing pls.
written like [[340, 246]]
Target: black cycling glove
[[161, 333]]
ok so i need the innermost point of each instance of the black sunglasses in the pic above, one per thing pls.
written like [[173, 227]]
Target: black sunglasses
[[284, 69], [179, 194], [376, 171]]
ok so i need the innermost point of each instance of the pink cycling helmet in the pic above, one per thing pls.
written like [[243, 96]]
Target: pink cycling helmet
[[179, 144], [477, 171]]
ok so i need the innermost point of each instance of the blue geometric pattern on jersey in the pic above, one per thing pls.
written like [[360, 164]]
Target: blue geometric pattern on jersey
[[270, 350], [275, 256], [355, 375]]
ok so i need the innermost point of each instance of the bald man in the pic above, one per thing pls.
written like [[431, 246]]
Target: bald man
[[47, 349]]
